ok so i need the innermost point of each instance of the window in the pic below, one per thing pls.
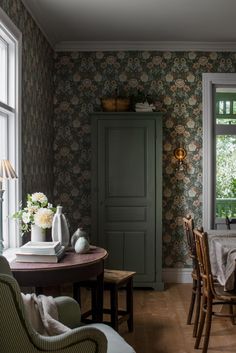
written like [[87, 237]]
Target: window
[[219, 149], [225, 157], [225, 106], [10, 55]]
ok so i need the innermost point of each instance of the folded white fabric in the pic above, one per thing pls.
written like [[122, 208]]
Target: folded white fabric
[[144, 107], [42, 313]]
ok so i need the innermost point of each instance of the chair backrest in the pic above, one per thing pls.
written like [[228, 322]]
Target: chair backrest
[[4, 266], [15, 331], [203, 258], [188, 231], [229, 221]]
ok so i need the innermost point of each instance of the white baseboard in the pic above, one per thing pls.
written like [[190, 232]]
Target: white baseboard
[[177, 275]]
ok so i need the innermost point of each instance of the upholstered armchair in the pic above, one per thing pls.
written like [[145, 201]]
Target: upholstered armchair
[[17, 335]]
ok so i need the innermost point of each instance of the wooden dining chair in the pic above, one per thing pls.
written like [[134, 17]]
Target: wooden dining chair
[[195, 302], [229, 221], [213, 294]]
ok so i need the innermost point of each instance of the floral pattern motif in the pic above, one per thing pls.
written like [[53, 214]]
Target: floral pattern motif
[[174, 81]]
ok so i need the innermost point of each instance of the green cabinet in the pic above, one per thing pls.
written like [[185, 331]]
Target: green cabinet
[[127, 192]]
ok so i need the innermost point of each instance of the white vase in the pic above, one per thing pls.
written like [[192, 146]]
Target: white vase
[[60, 230], [37, 233]]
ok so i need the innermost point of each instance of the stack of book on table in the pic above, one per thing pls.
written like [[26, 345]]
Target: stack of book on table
[[40, 252]]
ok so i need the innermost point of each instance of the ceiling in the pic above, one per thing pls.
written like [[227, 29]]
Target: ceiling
[[149, 24]]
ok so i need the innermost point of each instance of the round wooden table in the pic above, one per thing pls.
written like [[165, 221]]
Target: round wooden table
[[72, 268]]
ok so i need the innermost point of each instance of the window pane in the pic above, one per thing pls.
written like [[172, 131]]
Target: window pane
[[225, 176], [226, 121], [3, 71], [5, 214], [3, 155], [221, 107], [234, 107], [3, 136], [227, 107]]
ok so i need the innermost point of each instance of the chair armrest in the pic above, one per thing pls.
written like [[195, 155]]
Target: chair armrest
[[79, 340], [68, 311], [115, 342]]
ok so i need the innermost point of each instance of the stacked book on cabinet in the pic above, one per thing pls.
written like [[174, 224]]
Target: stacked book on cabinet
[[43, 251]]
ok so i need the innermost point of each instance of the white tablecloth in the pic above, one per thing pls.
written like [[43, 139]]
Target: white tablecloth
[[222, 248]]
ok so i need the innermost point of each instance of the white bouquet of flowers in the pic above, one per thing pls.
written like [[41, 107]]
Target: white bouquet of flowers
[[38, 211]]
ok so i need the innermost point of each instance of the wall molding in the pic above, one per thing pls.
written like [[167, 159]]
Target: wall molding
[[177, 275], [144, 45]]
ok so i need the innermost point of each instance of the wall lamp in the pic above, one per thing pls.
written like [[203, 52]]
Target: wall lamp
[[180, 154]]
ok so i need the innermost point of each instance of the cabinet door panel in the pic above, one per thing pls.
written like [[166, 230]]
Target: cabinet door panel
[[126, 194], [125, 214], [125, 162], [114, 244], [134, 254], [126, 251]]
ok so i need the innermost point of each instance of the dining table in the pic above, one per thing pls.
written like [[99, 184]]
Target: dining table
[[222, 250]]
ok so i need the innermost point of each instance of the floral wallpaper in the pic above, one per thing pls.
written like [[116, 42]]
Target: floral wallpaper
[[173, 80], [56, 140], [37, 102]]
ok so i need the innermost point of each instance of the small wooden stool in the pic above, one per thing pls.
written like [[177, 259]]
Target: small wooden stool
[[113, 281]]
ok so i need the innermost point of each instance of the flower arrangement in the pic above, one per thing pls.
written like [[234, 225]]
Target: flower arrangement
[[37, 211]]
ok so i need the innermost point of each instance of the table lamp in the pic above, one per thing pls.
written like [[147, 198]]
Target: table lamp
[[6, 172]]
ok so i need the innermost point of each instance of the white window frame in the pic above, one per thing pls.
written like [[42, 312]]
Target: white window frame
[[209, 82], [13, 189]]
